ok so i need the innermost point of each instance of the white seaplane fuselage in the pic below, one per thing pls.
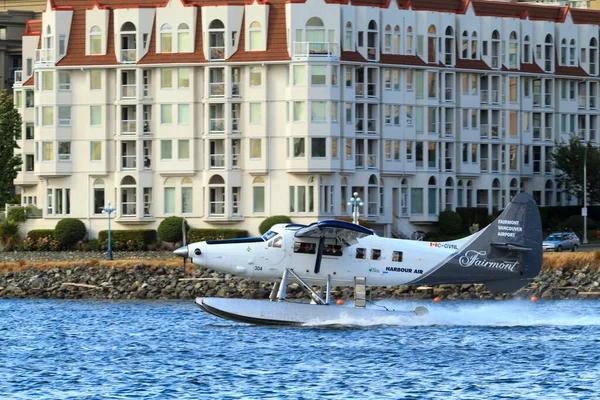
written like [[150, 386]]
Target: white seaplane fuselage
[[382, 261]]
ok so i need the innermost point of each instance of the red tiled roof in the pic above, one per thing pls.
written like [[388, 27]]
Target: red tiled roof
[[532, 68], [471, 64], [401, 59], [28, 82], [569, 71], [352, 56], [33, 27], [581, 16], [152, 57]]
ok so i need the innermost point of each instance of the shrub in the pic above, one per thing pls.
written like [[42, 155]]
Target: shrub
[[69, 231], [575, 223], [9, 234], [169, 229], [473, 215], [95, 244], [273, 220], [450, 223], [36, 234], [17, 214], [198, 235], [361, 222], [131, 240]]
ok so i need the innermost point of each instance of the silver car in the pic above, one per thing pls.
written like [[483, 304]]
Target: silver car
[[561, 241]]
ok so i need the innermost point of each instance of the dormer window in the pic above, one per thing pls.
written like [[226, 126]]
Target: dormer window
[[593, 49], [495, 50], [128, 43], [474, 46], [315, 36], [431, 45], [372, 41], [526, 50], [166, 39], [387, 45], [512, 50], [396, 39], [48, 39], [183, 38], [572, 52], [255, 36], [465, 45], [409, 40], [216, 32], [95, 41], [449, 47], [563, 52], [548, 53], [348, 35]]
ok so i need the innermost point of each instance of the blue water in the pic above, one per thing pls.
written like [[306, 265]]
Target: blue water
[[171, 350]]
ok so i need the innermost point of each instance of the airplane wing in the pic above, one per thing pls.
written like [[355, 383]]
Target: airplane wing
[[345, 232]]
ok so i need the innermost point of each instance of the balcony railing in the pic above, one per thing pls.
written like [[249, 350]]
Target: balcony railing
[[217, 209], [217, 89], [548, 100], [315, 50], [592, 135], [128, 127], [147, 209], [359, 161], [371, 53], [372, 161], [217, 161], [44, 56], [495, 98], [495, 131], [217, 53], [235, 89], [431, 164], [128, 162], [128, 91], [128, 56], [18, 77], [128, 209], [217, 125]]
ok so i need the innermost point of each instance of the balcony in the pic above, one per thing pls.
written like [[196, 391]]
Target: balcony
[[217, 209], [495, 98], [217, 125], [306, 50], [483, 97], [128, 127], [44, 56], [372, 161], [18, 77], [360, 90], [217, 89], [371, 125], [128, 56], [128, 162], [372, 53], [128, 91], [431, 164], [217, 161], [217, 53], [235, 89]]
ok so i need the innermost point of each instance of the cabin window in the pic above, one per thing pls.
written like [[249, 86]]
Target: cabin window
[[361, 253], [332, 250], [375, 254], [397, 256], [306, 248]]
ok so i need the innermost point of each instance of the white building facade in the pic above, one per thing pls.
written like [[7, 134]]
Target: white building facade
[[227, 114]]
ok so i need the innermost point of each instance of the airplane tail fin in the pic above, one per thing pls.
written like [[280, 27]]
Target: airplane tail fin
[[506, 255]]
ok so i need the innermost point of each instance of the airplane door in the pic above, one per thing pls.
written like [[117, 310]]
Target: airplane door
[[275, 251]]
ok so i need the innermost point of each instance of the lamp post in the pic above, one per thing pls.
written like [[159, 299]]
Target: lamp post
[[584, 212], [355, 202], [108, 210]]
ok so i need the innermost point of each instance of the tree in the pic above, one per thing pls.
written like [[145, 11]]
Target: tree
[[568, 158], [10, 125]]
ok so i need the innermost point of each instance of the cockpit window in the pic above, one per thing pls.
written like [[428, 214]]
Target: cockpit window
[[303, 247], [268, 235], [278, 241]]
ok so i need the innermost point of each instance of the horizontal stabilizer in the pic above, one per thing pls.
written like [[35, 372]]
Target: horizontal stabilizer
[[510, 246]]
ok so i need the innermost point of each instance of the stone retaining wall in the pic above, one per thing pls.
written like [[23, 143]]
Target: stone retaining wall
[[167, 282]]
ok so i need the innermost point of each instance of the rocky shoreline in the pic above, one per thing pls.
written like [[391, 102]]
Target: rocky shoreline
[[168, 280]]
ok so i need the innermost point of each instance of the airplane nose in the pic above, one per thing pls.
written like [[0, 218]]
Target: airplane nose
[[182, 251]]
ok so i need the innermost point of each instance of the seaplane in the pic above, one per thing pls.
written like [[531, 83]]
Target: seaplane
[[506, 255]]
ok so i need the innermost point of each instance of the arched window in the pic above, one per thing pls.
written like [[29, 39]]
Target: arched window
[[98, 196], [183, 38], [449, 194], [95, 40], [432, 197], [315, 36], [548, 53], [255, 36], [128, 197], [165, 39], [474, 45], [187, 196], [216, 40], [128, 43], [387, 44], [431, 45], [396, 39], [372, 41], [409, 40], [258, 195], [563, 52], [348, 42], [460, 193], [48, 42], [593, 56], [526, 49], [465, 45], [449, 47], [495, 50], [404, 196], [512, 50], [216, 195], [572, 52], [169, 196]]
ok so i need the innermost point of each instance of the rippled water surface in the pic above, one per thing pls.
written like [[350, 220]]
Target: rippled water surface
[[171, 350]]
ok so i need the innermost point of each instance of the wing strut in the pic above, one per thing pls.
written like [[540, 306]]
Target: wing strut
[[319, 254]]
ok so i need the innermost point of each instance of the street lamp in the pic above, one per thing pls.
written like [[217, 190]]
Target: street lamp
[[355, 202], [584, 212], [108, 210]]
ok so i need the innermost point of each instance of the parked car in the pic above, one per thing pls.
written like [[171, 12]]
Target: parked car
[[561, 241]]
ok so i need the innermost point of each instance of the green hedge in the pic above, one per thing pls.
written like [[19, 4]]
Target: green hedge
[[37, 234], [199, 235], [17, 214], [169, 230], [273, 220], [131, 239]]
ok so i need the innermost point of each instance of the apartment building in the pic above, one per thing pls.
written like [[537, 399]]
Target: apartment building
[[229, 113]]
